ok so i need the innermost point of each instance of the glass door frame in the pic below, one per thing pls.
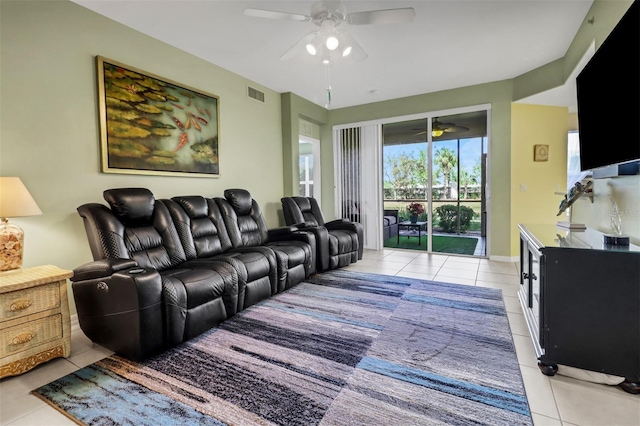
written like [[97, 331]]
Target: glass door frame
[[429, 116]]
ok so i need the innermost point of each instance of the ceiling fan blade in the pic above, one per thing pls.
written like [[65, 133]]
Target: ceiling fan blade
[[272, 14], [385, 16], [454, 129], [443, 125]]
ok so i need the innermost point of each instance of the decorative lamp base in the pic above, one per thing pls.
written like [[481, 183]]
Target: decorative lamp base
[[11, 246]]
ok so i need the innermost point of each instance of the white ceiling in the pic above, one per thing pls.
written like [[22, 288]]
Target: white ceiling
[[449, 44]]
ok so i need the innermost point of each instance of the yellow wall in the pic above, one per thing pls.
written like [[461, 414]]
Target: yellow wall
[[50, 129], [533, 184]]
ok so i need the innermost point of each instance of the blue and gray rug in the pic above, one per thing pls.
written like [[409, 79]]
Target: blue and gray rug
[[342, 348]]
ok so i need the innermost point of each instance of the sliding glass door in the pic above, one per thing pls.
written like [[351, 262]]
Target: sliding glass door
[[434, 179], [458, 209]]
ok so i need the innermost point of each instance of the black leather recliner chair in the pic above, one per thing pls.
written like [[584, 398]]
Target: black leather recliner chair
[[339, 242], [138, 298], [295, 254]]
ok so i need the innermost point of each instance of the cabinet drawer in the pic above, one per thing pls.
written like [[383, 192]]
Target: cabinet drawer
[[29, 335], [19, 303]]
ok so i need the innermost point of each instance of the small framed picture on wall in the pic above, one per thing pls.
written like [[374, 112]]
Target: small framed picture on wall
[[540, 152]]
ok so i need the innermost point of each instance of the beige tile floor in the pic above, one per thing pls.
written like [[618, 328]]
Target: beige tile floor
[[557, 400]]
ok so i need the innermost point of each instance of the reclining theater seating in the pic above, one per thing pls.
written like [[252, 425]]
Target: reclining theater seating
[[137, 299], [204, 238], [339, 242], [165, 271], [247, 228]]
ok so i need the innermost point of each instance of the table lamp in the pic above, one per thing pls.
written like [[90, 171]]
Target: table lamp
[[15, 201]]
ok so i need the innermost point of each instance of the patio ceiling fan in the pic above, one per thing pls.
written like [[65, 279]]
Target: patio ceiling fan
[[438, 128], [328, 42]]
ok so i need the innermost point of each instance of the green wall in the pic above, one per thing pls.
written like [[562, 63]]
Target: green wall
[[50, 130], [498, 94], [295, 108]]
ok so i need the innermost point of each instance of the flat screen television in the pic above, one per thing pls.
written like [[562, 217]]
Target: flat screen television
[[608, 90]]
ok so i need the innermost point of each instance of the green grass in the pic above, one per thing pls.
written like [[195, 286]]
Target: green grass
[[441, 244]]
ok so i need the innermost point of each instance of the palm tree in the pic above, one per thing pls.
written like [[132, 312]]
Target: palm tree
[[466, 179], [446, 160]]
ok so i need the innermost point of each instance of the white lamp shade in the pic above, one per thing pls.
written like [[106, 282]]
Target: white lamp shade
[[15, 200]]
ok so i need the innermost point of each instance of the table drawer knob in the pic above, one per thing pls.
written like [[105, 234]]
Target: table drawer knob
[[19, 305], [23, 338]]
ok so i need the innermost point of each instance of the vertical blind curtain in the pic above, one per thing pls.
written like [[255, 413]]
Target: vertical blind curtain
[[358, 180]]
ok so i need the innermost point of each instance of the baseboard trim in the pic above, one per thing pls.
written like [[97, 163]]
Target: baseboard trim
[[75, 324], [511, 259]]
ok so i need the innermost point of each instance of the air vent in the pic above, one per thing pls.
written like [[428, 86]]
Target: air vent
[[255, 94]]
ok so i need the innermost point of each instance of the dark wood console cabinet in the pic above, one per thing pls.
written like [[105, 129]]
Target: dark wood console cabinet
[[581, 301]]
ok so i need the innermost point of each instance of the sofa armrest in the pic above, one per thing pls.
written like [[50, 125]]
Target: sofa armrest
[[282, 233], [304, 225], [121, 310], [343, 224], [102, 268], [336, 222], [320, 246], [390, 212]]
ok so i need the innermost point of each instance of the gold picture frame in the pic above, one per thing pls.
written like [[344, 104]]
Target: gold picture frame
[[155, 126], [540, 152]]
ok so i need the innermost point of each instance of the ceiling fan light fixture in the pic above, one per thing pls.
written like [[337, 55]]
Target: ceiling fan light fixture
[[314, 43], [350, 48], [329, 14], [332, 43], [436, 132]]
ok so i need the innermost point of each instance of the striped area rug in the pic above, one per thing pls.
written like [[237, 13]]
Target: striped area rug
[[342, 348]]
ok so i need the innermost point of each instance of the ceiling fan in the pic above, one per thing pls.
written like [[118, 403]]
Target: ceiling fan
[[438, 128], [328, 42]]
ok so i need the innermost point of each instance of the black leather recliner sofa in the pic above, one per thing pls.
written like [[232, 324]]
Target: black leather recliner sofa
[[165, 271], [339, 242]]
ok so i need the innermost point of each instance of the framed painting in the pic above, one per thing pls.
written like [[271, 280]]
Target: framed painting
[[152, 125]]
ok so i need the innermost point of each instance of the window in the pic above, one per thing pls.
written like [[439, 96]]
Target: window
[[309, 165], [573, 160], [306, 175]]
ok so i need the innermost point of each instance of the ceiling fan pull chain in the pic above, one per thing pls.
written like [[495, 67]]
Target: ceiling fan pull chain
[[328, 77]]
